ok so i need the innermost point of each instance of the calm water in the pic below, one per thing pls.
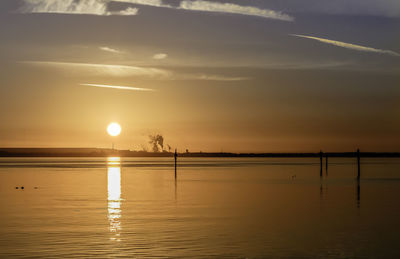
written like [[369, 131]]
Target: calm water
[[217, 208]]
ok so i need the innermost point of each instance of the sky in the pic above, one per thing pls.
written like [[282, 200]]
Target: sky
[[238, 76]]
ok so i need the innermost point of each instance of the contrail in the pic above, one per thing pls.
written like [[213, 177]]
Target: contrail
[[349, 45], [121, 87]]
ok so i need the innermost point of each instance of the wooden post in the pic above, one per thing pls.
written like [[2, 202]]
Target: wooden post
[[358, 164], [320, 157], [175, 157]]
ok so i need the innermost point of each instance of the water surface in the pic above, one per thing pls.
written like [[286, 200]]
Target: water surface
[[216, 208]]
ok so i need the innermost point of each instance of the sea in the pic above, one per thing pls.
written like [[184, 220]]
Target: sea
[[208, 208]]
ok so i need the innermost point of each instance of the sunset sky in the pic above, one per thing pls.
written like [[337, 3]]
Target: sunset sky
[[240, 75]]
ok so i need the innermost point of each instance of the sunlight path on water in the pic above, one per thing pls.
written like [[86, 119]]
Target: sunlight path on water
[[114, 196]]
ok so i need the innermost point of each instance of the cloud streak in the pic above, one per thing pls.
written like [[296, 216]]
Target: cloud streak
[[216, 7], [130, 88], [100, 7], [349, 45], [208, 6], [207, 77], [88, 7], [160, 56], [108, 49], [88, 69], [155, 3], [103, 69]]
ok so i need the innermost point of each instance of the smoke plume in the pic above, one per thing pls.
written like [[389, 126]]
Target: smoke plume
[[157, 141]]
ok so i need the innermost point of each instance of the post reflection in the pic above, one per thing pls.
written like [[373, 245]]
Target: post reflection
[[358, 194], [114, 196], [176, 190]]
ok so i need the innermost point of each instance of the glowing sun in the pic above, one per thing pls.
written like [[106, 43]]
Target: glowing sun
[[114, 129]]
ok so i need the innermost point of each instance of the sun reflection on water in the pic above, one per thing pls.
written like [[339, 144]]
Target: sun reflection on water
[[114, 196]]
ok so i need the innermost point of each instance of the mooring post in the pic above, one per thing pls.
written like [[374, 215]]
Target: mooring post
[[320, 158], [175, 157], [358, 164]]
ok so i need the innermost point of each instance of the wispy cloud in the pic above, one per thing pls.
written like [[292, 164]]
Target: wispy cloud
[[102, 69], [108, 49], [349, 45], [154, 73], [130, 88], [208, 6], [100, 7], [217, 7], [89, 7], [128, 11], [127, 71], [207, 77], [156, 3], [160, 56]]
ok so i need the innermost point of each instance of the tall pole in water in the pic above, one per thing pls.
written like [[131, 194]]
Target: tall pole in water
[[175, 157], [358, 165], [320, 157]]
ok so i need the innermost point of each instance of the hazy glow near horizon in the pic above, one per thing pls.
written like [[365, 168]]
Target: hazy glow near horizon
[[114, 129]]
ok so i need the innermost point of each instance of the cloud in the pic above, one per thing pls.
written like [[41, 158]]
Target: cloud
[[127, 71], [103, 69], [156, 3], [207, 77], [107, 49], [130, 88], [100, 7], [160, 56], [89, 7], [349, 45], [129, 11], [207, 6]]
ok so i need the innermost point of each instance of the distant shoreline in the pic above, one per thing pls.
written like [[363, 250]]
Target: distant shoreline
[[103, 152]]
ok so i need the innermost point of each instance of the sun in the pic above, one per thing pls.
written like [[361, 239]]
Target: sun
[[114, 129]]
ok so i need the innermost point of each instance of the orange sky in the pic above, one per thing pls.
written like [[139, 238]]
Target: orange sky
[[205, 80]]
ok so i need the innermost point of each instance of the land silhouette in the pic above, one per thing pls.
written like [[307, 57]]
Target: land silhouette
[[106, 152]]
